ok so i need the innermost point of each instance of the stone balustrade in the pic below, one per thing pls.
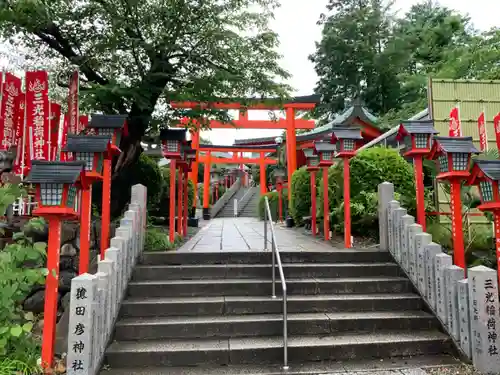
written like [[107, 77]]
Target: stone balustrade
[[95, 299], [465, 301]]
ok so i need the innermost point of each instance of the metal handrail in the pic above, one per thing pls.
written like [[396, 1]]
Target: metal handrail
[[277, 259]]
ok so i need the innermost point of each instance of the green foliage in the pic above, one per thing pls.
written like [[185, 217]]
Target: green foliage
[[301, 194], [17, 342], [273, 197], [145, 171], [162, 207], [366, 50], [145, 54], [367, 170], [157, 239]]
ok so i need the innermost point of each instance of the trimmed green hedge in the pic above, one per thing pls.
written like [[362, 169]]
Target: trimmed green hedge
[[301, 194], [273, 204]]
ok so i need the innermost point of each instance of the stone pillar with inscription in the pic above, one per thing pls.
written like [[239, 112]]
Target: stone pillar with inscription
[[406, 221], [430, 251], [397, 218], [119, 244], [452, 275], [390, 224], [140, 195], [80, 357], [464, 322], [483, 302], [413, 230], [385, 195], [441, 261], [421, 241], [124, 233]]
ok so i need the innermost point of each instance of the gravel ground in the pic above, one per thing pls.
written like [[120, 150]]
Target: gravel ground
[[454, 370]]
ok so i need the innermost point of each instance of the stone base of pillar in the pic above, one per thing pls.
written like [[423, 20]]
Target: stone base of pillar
[[206, 213], [192, 212]]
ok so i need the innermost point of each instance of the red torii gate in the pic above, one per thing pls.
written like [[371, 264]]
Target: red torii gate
[[237, 158], [290, 123]]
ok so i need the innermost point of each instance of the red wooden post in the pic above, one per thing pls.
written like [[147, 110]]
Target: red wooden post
[[326, 205], [180, 195], [86, 213], [216, 191], [51, 292], [313, 203], [263, 178], [185, 201], [347, 205], [106, 206], [172, 201], [456, 224], [419, 188]]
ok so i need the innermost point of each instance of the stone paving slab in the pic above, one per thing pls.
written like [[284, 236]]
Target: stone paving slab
[[247, 234]]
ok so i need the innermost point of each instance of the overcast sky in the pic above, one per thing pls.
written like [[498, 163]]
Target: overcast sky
[[295, 22]]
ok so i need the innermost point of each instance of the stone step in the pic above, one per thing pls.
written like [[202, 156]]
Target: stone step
[[294, 270], [199, 306], [270, 325], [270, 349], [264, 257], [262, 287], [408, 365]]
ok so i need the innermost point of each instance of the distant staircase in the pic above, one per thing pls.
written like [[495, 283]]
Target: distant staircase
[[228, 209], [250, 203]]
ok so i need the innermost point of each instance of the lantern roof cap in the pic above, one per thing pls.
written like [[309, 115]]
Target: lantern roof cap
[[456, 145], [58, 172], [490, 168], [346, 133], [324, 146], [309, 153], [100, 121], [87, 143], [417, 127], [173, 134]]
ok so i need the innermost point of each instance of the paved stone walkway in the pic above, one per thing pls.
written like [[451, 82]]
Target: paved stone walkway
[[245, 234], [417, 371]]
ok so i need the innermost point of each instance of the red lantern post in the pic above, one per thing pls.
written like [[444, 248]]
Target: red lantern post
[[453, 155], [112, 126], [312, 161], [279, 175], [325, 151], [417, 136], [486, 175], [91, 150], [347, 141], [56, 191], [172, 140]]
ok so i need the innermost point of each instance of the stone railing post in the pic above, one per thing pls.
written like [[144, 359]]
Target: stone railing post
[[406, 221], [421, 241], [385, 195], [413, 230], [441, 261], [96, 299], [393, 205], [398, 214]]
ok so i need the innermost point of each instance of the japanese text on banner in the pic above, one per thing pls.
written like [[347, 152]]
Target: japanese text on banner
[[37, 113]]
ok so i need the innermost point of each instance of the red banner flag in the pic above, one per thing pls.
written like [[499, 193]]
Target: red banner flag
[[64, 137], [11, 89], [55, 119], [483, 137], [37, 113], [496, 124], [455, 127], [23, 159], [73, 104], [83, 123]]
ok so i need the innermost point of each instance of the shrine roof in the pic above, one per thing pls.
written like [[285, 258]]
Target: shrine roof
[[173, 134], [491, 168], [99, 121], [87, 143], [419, 127], [56, 172], [347, 133]]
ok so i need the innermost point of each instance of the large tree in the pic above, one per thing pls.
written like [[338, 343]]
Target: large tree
[[136, 56]]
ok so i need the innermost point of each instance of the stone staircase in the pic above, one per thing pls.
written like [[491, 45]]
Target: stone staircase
[[251, 205], [228, 209], [213, 311]]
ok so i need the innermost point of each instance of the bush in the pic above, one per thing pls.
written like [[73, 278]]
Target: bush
[[367, 170], [301, 195], [273, 204], [145, 171], [157, 239], [162, 208]]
